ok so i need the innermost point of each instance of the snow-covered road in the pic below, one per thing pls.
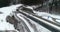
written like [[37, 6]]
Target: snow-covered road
[[40, 20], [7, 10]]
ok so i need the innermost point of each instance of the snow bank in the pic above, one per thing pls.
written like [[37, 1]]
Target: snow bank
[[5, 12]]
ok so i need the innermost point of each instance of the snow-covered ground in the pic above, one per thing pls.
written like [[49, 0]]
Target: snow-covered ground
[[5, 12]]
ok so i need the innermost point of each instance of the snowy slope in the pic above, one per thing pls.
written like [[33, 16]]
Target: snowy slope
[[5, 12]]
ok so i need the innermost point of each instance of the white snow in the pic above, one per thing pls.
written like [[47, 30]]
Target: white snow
[[6, 11]]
